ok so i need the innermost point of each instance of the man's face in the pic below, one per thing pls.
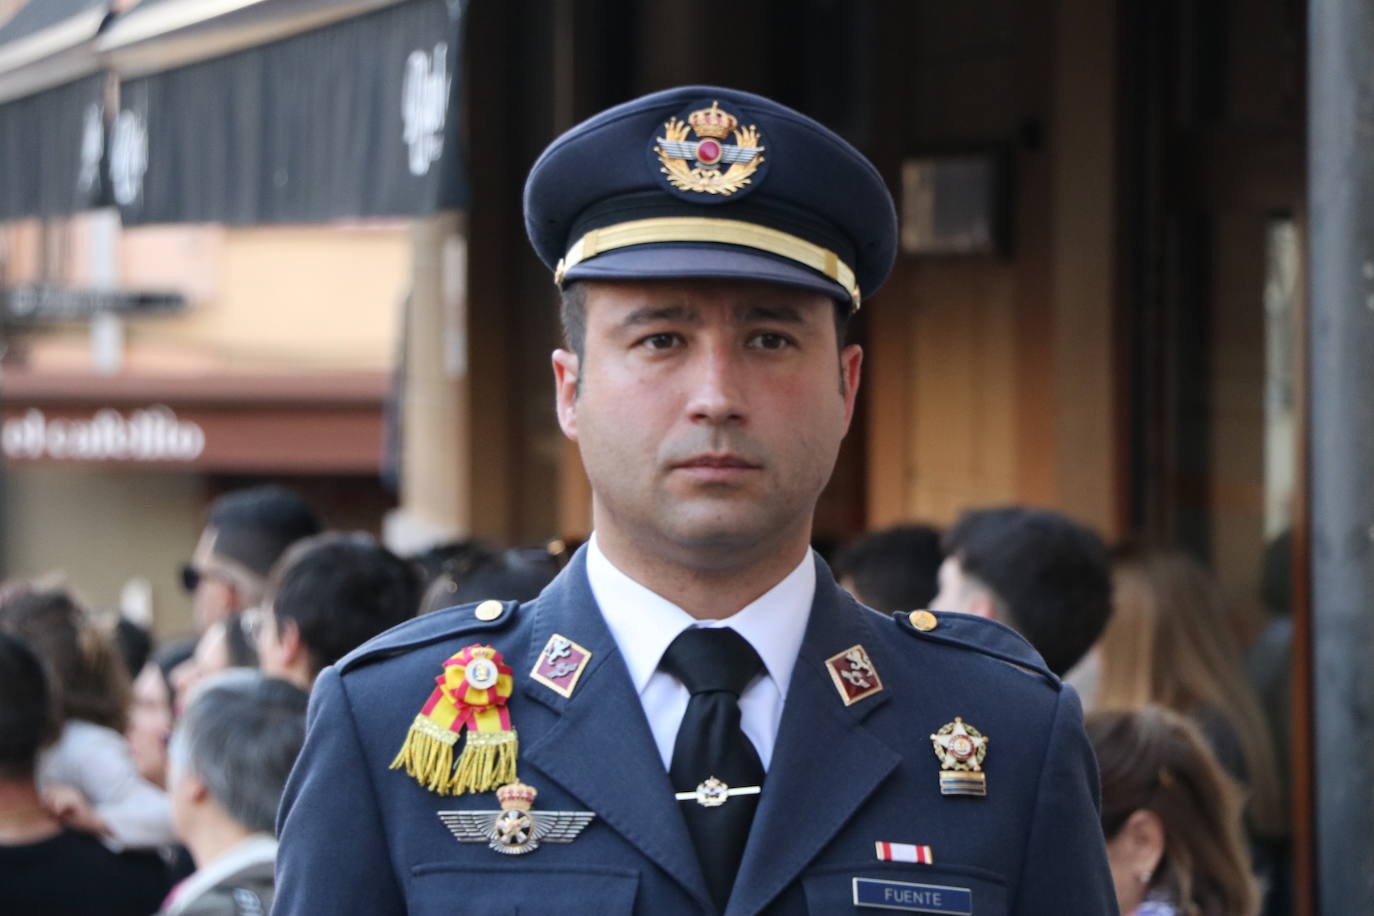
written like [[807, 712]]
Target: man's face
[[961, 592], [267, 640], [216, 595], [708, 414]]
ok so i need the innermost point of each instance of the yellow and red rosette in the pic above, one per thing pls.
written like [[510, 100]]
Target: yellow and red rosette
[[471, 694]]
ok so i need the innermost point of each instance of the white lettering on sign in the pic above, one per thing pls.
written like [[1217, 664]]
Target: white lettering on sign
[[128, 156], [92, 148], [148, 434], [424, 105], [911, 895]]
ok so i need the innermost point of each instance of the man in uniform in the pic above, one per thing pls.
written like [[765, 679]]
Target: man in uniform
[[694, 718]]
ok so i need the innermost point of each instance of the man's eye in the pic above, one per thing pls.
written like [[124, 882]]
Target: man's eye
[[663, 341], [770, 341]]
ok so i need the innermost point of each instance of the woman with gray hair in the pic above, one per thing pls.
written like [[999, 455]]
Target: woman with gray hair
[[230, 756]]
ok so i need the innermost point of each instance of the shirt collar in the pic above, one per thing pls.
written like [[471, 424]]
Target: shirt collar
[[643, 622], [256, 849]]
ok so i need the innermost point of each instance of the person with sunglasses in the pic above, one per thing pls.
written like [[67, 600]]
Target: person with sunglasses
[[245, 534]]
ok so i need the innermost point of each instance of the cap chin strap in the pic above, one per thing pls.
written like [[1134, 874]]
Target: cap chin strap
[[705, 229]]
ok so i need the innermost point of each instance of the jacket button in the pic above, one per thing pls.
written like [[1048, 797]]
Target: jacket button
[[922, 620]]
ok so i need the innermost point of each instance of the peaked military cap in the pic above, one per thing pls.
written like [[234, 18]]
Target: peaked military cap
[[701, 181]]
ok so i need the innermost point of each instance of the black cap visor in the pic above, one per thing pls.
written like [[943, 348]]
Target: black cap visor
[[701, 260]]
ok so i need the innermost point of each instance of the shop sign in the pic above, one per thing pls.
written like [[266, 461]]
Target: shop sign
[[149, 434], [41, 302]]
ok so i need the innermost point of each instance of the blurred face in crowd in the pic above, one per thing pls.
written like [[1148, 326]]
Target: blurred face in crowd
[[961, 592], [217, 593], [708, 414], [275, 656], [150, 724], [211, 656], [185, 792]]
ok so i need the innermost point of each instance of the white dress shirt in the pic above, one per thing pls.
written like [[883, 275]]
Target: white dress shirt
[[643, 624]]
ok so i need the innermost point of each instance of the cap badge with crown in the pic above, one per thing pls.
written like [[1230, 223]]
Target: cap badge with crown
[[692, 153]]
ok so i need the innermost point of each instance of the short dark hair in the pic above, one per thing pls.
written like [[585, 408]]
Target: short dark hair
[[573, 313], [240, 735], [341, 589], [896, 569], [135, 645], [1050, 573], [255, 526], [441, 559], [86, 673], [27, 722], [510, 575], [238, 643]]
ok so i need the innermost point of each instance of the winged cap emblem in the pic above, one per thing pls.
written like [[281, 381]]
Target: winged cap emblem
[[515, 829], [695, 164]]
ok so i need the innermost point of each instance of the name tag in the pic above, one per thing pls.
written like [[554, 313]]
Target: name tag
[[914, 898]]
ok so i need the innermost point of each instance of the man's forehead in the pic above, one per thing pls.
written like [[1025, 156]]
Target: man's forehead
[[205, 547], [693, 301]]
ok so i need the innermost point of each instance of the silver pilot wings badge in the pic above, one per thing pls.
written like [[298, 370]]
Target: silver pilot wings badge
[[515, 829]]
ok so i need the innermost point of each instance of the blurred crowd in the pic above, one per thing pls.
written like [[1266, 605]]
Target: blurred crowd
[[142, 776]]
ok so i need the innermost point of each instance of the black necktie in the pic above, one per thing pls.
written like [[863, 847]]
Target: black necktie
[[715, 665]]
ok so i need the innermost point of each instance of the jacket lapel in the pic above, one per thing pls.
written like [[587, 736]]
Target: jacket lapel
[[809, 795], [599, 742]]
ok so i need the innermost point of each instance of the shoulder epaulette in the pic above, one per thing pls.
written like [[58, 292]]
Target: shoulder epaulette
[[976, 634], [429, 629]]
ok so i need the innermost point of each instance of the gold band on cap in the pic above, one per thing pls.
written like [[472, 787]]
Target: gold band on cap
[[704, 229]]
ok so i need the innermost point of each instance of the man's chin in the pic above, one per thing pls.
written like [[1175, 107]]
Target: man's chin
[[723, 538]]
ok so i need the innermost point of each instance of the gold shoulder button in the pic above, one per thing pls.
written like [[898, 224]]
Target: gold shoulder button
[[923, 620], [489, 610]]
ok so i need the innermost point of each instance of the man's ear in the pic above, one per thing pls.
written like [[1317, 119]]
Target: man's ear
[[851, 362], [195, 787], [233, 595], [566, 374], [289, 638]]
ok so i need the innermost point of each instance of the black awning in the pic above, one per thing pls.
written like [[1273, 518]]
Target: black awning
[[52, 133], [51, 146], [356, 118]]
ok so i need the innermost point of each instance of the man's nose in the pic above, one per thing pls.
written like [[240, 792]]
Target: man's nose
[[717, 394]]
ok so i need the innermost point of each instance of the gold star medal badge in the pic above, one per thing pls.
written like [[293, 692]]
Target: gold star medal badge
[[961, 749], [470, 697]]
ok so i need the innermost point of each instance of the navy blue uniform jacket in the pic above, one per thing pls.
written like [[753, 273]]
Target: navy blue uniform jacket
[[357, 837]]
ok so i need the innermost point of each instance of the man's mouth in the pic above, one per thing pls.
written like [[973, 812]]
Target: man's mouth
[[717, 462]]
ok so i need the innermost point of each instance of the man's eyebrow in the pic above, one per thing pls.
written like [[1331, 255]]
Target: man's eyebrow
[[650, 314], [785, 314]]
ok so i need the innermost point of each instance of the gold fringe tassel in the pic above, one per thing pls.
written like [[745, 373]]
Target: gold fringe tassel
[[427, 755], [487, 762]]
